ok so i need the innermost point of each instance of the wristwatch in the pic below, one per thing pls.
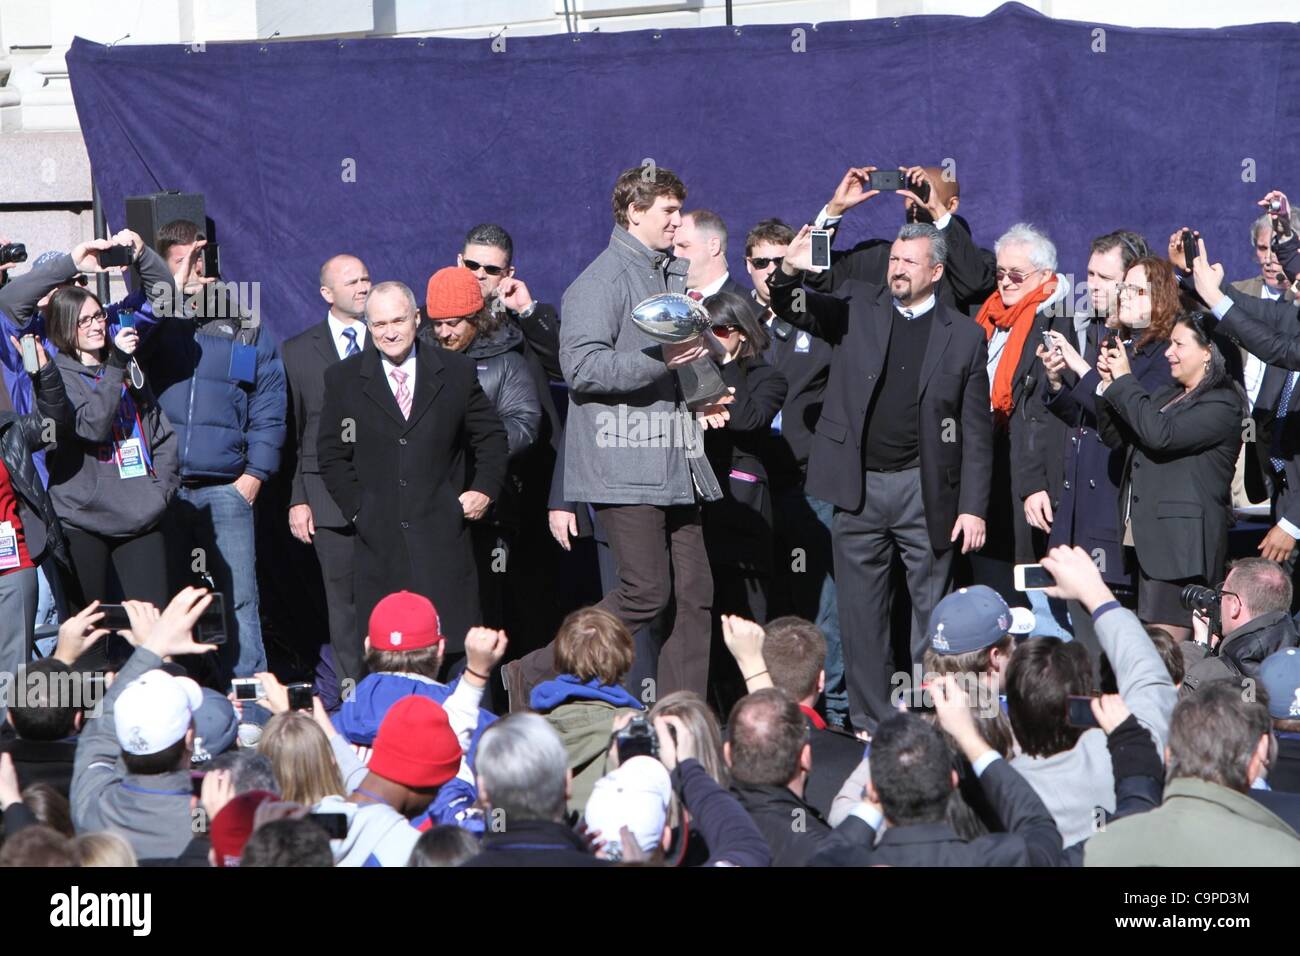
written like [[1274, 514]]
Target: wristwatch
[[528, 310]]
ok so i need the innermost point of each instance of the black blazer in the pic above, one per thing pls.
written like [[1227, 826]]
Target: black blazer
[[306, 357], [398, 480], [1266, 329], [805, 361], [1284, 494], [955, 424], [1180, 465]]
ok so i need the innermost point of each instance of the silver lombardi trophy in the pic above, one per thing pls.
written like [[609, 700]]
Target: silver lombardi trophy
[[673, 318]]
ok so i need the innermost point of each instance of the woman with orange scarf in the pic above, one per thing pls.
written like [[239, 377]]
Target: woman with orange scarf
[[1014, 318]]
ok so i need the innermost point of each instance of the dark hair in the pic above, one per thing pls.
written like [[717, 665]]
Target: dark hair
[[1217, 374], [1131, 246], [767, 732], [49, 807], [911, 769], [640, 186], [38, 846], [1170, 652], [1213, 733], [444, 846], [794, 653], [178, 232], [62, 314], [592, 643], [772, 231], [288, 843], [1163, 289], [1262, 585], [164, 761], [249, 770], [425, 661], [1044, 671], [47, 710], [727, 308], [490, 234]]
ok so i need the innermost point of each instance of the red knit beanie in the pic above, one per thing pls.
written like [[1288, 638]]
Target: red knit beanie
[[453, 293], [233, 825], [404, 622], [416, 746]]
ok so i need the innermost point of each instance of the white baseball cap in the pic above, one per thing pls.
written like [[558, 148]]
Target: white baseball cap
[[635, 796], [154, 711]]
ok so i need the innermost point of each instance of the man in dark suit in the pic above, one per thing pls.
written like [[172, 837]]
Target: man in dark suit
[[968, 278], [702, 239], [314, 518], [410, 449], [903, 447], [912, 778]]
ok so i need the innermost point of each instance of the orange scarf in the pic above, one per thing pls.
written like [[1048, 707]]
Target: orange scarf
[[1019, 318]]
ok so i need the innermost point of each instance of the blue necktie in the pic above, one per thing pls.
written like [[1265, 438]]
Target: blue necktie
[[1279, 423], [351, 336]]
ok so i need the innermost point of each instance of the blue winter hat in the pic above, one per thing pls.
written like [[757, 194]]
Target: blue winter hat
[[1280, 675], [971, 619], [215, 726]]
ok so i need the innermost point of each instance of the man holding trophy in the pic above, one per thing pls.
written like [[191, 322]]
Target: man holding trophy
[[635, 353]]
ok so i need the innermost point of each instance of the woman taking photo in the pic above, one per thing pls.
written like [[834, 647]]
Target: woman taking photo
[[115, 469], [1182, 441]]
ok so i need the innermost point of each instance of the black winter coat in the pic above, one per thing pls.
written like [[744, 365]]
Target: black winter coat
[[20, 435]]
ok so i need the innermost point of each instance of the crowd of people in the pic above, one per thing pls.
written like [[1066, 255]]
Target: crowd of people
[[584, 611]]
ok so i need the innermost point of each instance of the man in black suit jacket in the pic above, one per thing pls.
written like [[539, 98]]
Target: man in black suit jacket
[[702, 239], [912, 778], [314, 518], [410, 449], [968, 278], [903, 447]]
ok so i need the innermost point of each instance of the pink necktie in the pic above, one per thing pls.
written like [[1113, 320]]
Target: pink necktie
[[403, 393], [697, 296]]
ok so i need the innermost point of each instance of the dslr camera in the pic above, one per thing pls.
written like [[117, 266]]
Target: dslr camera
[[637, 739], [12, 252], [1208, 601]]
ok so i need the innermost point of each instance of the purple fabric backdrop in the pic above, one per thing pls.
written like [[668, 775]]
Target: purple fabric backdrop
[[1150, 134]]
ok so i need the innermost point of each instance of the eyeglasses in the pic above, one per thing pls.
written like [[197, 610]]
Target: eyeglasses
[[86, 321], [1127, 288], [1015, 275], [473, 266], [762, 262], [725, 331]]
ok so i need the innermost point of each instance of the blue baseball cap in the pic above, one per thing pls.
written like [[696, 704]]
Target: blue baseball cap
[[215, 726], [971, 619], [1280, 675]]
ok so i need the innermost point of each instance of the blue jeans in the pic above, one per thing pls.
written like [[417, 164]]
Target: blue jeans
[[1051, 619], [210, 530]]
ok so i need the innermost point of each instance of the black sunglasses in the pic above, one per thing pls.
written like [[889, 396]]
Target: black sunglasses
[[762, 262], [473, 266]]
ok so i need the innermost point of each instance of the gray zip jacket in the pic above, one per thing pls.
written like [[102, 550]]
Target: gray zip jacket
[[629, 439], [152, 813]]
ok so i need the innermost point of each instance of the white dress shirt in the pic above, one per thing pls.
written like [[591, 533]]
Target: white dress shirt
[[915, 311], [713, 287], [340, 340]]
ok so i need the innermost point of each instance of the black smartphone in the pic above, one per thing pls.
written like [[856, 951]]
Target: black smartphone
[[1110, 342], [115, 256], [196, 782], [887, 180], [1080, 713], [335, 824], [212, 260], [210, 629], [1189, 247], [922, 189], [821, 248], [299, 696]]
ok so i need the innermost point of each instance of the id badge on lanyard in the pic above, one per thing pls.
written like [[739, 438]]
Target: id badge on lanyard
[[130, 458], [9, 556]]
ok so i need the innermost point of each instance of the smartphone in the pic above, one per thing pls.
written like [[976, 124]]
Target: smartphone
[[1048, 342], [247, 688], [922, 191], [1189, 247], [31, 363], [1033, 577], [300, 696], [115, 256], [887, 180], [212, 260], [126, 319], [1110, 342], [210, 629], [821, 249], [196, 782], [335, 824], [1080, 713]]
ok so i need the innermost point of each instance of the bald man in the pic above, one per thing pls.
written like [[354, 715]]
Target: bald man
[[314, 518], [968, 280]]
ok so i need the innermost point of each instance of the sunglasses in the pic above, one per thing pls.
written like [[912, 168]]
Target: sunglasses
[[726, 331], [1014, 275], [473, 266], [762, 262], [86, 321]]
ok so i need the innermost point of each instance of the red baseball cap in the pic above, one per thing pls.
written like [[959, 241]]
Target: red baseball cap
[[404, 622], [233, 825]]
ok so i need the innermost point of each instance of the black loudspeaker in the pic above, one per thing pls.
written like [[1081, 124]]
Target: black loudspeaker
[[145, 215]]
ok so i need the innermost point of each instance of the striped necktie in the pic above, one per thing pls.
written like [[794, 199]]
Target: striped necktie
[[403, 394], [351, 336]]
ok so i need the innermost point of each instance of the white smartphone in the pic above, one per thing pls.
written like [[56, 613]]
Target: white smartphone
[[821, 249], [1033, 577]]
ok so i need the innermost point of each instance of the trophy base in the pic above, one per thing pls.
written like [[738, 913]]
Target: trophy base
[[701, 383]]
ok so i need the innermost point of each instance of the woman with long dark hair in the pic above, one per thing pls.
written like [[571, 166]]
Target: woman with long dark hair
[[1182, 442], [113, 472]]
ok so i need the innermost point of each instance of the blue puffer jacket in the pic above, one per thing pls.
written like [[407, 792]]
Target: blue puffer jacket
[[223, 389]]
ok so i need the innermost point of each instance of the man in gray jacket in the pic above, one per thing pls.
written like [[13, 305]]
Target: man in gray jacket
[[632, 447], [1071, 770], [147, 720]]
